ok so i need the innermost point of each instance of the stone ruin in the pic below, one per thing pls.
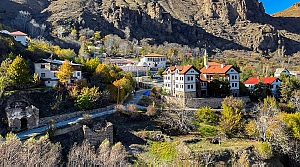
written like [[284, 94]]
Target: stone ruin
[[98, 133], [21, 115]]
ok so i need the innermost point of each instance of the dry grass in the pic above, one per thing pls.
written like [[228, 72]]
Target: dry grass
[[233, 144]]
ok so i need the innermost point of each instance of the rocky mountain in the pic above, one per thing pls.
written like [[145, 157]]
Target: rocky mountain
[[217, 24], [293, 11]]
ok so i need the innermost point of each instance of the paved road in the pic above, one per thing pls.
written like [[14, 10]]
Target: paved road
[[41, 130]]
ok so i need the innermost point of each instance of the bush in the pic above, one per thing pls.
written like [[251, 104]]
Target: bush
[[132, 108], [264, 150], [120, 108], [206, 115], [208, 131], [151, 111], [83, 102]]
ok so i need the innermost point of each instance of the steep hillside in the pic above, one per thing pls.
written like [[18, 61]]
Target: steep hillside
[[293, 11], [216, 24]]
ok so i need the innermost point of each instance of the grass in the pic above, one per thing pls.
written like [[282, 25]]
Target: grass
[[233, 144]]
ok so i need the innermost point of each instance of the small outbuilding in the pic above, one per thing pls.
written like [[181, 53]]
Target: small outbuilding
[[21, 115]]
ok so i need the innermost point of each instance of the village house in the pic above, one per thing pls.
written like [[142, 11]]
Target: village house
[[47, 69], [273, 83], [18, 36], [212, 70], [280, 71], [181, 81], [154, 60]]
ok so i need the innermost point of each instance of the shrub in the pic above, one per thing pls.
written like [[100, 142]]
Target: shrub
[[206, 115], [132, 108], [151, 111], [83, 102], [120, 108], [264, 150], [208, 131], [252, 130]]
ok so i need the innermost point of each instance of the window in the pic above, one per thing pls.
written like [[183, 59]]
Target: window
[[42, 65], [54, 75], [78, 74], [232, 77], [168, 78], [232, 85], [188, 78], [176, 78], [192, 78], [43, 75], [235, 84], [189, 86], [176, 85], [192, 86], [235, 77], [204, 84], [192, 71]]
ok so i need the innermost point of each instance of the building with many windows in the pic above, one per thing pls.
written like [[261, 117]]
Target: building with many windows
[[212, 70], [272, 82], [181, 81], [154, 60], [47, 69]]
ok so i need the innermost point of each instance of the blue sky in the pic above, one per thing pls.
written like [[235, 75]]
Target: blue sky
[[273, 6]]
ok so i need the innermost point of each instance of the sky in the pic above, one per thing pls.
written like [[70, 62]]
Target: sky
[[273, 6]]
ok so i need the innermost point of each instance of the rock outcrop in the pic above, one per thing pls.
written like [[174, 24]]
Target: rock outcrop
[[222, 24]]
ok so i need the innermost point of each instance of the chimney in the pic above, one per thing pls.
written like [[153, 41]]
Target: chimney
[[222, 65], [206, 66]]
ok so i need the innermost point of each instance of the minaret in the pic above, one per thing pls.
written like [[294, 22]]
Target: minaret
[[205, 58]]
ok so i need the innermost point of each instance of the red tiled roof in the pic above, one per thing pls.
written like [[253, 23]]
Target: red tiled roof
[[182, 69], [17, 33], [215, 68], [265, 80]]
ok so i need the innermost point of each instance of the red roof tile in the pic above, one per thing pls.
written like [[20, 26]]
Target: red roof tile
[[17, 33], [215, 68], [265, 80], [182, 69]]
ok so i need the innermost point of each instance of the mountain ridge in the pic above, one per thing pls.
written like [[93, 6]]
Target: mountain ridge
[[226, 25]]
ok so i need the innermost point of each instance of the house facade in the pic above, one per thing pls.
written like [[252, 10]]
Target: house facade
[[273, 82], [21, 37], [154, 60], [280, 71], [212, 70], [181, 81], [48, 68]]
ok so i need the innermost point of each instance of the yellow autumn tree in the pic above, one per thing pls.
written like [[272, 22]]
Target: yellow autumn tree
[[65, 72]]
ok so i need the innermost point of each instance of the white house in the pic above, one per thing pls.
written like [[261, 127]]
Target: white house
[[154, 60], [211, 70], [273, 82], [280, 71], [21, 37], [47, 69], [181, 81]]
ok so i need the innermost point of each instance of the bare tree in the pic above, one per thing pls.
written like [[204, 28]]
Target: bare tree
[[22, 19], [88, 33], [295, 99], [60, 30], [127, 32]]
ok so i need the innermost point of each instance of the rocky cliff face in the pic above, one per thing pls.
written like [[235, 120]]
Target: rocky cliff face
[[222, 24]]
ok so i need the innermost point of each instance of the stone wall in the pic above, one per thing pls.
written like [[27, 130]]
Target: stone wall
[[66, 129], [58, 118], [199, 102], [97, 135]]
